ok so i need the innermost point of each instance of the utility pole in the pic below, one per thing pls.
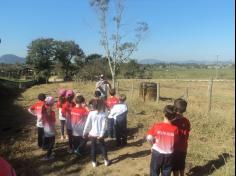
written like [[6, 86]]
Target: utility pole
[[217, 61]]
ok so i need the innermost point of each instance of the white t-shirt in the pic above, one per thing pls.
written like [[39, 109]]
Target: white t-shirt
[[95, 124], [117, 110]]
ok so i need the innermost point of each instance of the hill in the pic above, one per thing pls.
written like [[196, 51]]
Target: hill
[[11, 59], [200, 62]]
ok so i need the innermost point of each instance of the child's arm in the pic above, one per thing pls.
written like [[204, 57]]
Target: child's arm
[[150, 135], [31, 110]]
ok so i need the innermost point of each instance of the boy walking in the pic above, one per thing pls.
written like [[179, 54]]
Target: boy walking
[[162, 137], [36, 110], [183, 125]]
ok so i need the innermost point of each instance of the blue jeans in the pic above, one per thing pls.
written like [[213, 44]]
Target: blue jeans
[[160, 163], [110, 129]]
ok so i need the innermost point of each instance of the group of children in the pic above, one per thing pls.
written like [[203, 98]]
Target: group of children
[[83, 122], [107, 117], [169, 140]]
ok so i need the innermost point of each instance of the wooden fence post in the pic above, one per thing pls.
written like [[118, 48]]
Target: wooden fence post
[[158, 92], [210, 93], [186, 93]]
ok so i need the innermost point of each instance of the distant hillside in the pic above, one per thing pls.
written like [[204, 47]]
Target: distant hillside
[[150, 61], [204, 62], [11, 59]]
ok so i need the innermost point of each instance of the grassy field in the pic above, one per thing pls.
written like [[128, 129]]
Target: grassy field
[[184, 73], [211, 143]]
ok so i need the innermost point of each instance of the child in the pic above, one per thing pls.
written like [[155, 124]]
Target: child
[[60, 102], [119, 114], [66, 112], [95, 127], [110, 102], [97, 95], [79, 115], [49, 120], [183, 125], [162, 137], [36, 110]]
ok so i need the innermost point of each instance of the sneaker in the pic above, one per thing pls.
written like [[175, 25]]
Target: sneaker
[[106, 162], [62, 138], [66, 136], [94, 164]]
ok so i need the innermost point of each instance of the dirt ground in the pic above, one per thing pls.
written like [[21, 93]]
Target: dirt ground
[[210, 144]]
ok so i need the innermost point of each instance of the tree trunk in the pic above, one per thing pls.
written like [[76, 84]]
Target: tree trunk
[[113, 81]]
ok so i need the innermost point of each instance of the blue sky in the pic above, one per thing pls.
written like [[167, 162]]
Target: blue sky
[[178, 29]]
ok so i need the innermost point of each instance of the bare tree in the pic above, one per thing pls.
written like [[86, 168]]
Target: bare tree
[[117, 50]]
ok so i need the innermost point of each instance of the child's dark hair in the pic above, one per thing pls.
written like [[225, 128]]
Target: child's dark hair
[[70, 98], [41, 96], [169, 112], [99, 105], [97, 93], [80, 99], [112, 92], [180, 105], [122, 98]]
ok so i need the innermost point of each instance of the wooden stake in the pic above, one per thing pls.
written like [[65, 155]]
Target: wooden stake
[[210, 94]]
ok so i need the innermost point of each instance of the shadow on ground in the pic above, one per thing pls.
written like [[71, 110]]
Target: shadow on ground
[[210, 166]]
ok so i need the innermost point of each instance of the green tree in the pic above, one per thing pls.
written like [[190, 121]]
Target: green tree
[[66, 53], [41, 56]]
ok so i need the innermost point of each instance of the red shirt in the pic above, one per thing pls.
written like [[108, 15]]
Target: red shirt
[[66, 112], [6, 169], [78, 114], [78, 119], [183, 126], [66, 109], [49, 121], [37, 109], [165, 135], [111, 101]]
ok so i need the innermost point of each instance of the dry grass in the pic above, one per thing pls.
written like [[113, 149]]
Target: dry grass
[[211, 144]]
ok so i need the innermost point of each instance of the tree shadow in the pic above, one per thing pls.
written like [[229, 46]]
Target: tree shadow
[[132, 155], [210, 166]]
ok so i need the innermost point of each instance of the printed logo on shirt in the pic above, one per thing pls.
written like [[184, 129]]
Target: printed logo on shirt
[[165, 133]]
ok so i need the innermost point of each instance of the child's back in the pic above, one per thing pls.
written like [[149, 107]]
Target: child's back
[[181, 146], [163, 136]]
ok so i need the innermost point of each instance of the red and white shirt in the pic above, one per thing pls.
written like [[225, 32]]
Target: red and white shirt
[[183, 125], [66, 112], [164, 136], [78, 119], [111, 101], [49, 121], [36, 110]]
